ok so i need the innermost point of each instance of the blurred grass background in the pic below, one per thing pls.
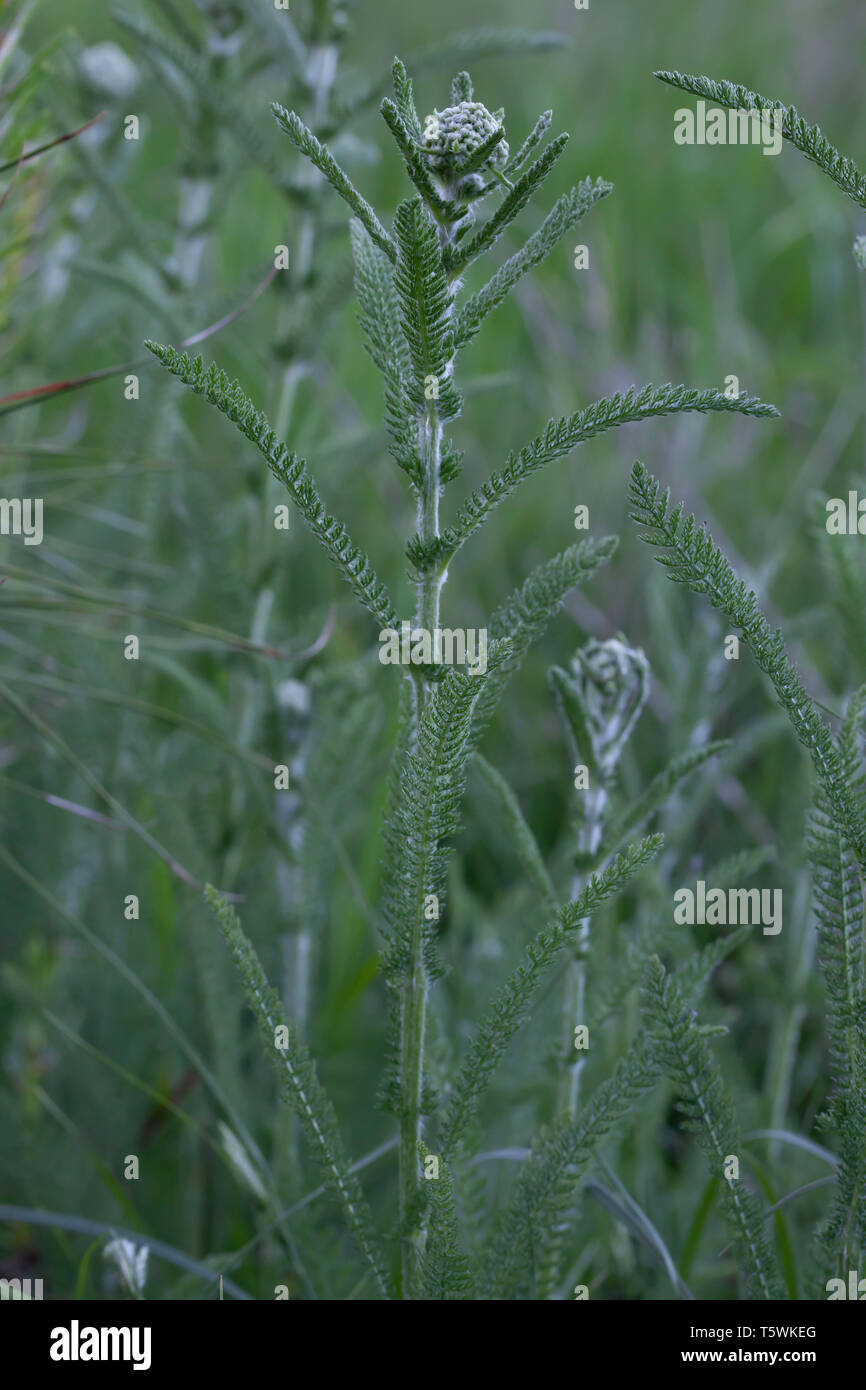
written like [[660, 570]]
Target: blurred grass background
[[704, 262]]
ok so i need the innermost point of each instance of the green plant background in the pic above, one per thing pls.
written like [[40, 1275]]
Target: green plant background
[[704, 262]]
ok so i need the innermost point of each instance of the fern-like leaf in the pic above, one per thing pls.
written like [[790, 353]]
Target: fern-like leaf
[[660, 788], [384, 340], [562, 1155], [445, 1271], [567, 211], [809, 139], [839, 906], [559, 1160], [432, 780], [531, 143], [632, 965], [321, 156], [561, 436], [691, 557], [301, 1086], [404, 99], [525, 844], [685, 1056], [515, 201], [522, 618], [228, 397], [509, 1009], [426, 309]]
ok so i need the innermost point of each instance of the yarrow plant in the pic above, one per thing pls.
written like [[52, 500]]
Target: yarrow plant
[[468, 186], [836, 835]]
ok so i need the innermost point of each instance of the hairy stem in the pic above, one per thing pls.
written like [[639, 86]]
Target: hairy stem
[[574, 1013], [413, 1005]]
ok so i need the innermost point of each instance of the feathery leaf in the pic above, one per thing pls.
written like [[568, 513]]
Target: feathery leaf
[[691, 557], [532, 141], [522, 618], [227, 395], [384, 340], [426, 309], [445, 1271], [559, 1160], [432, 781], [404, 98], [525, 844], [301, 1086], [562, 1154], [561, 436], [660, 788], [514, 201], [508, 1011], [809, 139], [685, 1055], [321, 156], [839, 907], [566, 212]]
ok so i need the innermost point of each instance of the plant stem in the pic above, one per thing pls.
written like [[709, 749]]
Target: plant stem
[[413, 1007], [416, 986], [574, 1010], [574, 1015]]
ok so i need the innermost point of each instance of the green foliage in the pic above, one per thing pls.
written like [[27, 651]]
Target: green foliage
[[514, 202], [656, 793], [425, 302], [809, 139], [525, 844], [413, 329], [563, 1153], [151, 235], [558, 1161], [386, 344], [509, 1008], [684, 1054], [432, 781], [522, 618], [837, 837], [532, 141], [565, 214], [445, 1271], [300, 1084], [691, 557], [320, 155], [838, 906], [230, 400], [561, 436]]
